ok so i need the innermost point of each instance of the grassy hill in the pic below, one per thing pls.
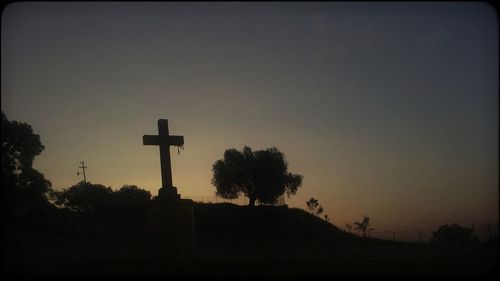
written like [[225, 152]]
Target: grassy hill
[[290, 243], [234, 241], [277, 230]]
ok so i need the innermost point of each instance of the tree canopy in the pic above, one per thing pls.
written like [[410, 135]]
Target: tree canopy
[[314, 206], [20, 145], [363, 226], [84, 197], [452, 235], [89, 197], [260, 175]]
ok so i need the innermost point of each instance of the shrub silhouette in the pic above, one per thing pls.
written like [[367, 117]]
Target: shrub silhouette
[[349, 227], [363, 226], [131, 197], [314, 206], [84, 197], [261, 175], [453, 235]]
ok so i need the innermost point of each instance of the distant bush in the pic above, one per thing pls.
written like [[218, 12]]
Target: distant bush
[[84, 197], [87, 197], [131, 198], [452, 235]]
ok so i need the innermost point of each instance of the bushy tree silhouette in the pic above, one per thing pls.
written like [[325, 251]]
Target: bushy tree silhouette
[[130, 198], [453, 235], [363, 226], [261, 175], [23, 188], [20, 182], [25, 209], [314, 206], [349, 227], [84, 197], [87, 197]]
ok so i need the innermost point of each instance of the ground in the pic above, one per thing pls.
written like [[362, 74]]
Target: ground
[[235, 242]]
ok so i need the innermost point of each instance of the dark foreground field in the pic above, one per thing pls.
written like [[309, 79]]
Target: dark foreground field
[[233, 242]]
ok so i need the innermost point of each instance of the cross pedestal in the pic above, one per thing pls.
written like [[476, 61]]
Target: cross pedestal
[[170, 229]]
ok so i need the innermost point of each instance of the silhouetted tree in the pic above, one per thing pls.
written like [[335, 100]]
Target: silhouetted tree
[[84, 197], [87, 197], [20, 182], [363, 226], [24, 206], [349, 227], [314, 206], [130, 198], [261, 175], [452, 235]]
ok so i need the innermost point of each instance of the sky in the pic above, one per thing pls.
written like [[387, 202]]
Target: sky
[[388, 109]]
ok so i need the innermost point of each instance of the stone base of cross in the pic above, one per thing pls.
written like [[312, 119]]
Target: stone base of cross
[[167, 194]]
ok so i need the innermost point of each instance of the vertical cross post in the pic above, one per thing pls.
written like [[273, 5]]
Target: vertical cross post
[[166, 170]]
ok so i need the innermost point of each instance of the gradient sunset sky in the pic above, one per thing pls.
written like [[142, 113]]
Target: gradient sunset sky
[[386, 109]]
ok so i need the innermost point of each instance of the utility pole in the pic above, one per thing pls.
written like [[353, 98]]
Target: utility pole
[[83, 168]]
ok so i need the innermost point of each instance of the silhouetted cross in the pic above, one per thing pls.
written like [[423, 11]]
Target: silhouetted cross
[[164, 140]]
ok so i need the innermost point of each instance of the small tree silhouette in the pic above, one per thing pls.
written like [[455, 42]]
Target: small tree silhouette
[[349, 227], [363, 226], [314, 207]]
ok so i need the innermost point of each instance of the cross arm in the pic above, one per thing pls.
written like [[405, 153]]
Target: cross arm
[[176, 140], [155, 140], [150, 140]]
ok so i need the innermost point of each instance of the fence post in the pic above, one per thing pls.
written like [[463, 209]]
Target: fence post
[[394, 235]]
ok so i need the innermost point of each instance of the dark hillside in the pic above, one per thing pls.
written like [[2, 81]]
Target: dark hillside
[[231, 241], [279, 230], [281, 242]]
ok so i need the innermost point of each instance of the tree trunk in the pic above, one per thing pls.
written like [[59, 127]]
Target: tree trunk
[[251, 202]]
